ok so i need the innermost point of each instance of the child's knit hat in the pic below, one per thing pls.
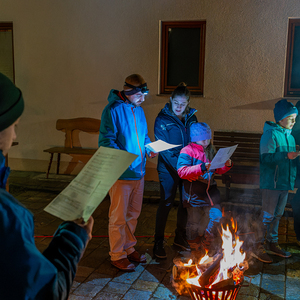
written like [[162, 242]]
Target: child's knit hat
[[11, 102], [199, 132], [283, 108]]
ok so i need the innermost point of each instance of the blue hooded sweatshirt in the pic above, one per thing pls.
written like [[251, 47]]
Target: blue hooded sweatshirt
[[277, 172], [123, 126]]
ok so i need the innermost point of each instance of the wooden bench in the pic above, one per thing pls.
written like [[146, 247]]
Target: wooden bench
[[245, 159], [72, 145]]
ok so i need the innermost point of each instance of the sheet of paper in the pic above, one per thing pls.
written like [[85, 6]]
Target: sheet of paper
[[221, 157], [88, 189], [159, 146]]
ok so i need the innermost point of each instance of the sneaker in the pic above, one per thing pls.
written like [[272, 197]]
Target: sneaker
[[181, 242], [275, 249], [159, 250], [261, 254]]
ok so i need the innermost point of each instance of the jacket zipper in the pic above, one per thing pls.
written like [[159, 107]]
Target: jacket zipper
[[137, 136]]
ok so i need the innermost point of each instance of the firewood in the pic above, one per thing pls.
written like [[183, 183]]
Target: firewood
[[208, 277], [222, 284]]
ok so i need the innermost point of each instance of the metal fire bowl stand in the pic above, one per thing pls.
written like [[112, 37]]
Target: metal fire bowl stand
[[228, 292]]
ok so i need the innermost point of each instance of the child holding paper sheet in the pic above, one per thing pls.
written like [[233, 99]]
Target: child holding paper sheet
[[200, 193]]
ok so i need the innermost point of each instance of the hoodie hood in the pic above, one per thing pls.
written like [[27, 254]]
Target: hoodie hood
[[269, 125]]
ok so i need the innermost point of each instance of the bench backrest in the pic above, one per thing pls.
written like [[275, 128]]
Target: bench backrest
[[72, 128], [248, 145]]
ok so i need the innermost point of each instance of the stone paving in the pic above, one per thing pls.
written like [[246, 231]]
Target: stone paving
[[96, 278]]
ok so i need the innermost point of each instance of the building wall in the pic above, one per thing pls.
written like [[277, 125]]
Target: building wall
[[69, 54]]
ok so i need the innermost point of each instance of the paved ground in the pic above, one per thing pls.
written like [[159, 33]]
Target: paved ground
[[96, 278]]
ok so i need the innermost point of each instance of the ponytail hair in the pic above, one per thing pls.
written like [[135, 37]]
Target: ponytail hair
[[182, 90]]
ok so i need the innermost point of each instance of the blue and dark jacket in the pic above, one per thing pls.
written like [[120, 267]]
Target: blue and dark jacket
[[277, 172], [26, 273], [170, 129], [123, 126]]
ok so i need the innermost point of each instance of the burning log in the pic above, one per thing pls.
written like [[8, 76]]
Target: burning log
[[223, 283], [183, 270], [209, 276]]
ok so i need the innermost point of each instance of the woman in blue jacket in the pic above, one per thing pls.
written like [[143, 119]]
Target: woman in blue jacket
[[26, 273], [172, 125]]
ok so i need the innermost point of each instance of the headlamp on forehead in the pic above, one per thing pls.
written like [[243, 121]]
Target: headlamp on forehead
[[135, 89]]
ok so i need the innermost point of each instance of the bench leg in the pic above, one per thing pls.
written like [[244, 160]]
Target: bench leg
[[58, 163], [49, 167]]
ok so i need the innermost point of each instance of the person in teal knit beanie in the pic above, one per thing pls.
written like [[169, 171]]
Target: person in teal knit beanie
[[26, 272]]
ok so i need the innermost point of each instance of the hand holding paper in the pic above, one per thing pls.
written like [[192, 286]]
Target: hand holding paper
[[221, 157], [88, 189]]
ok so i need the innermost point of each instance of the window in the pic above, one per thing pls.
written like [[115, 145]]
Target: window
[[182, 55], [6, 50], [292, 71]]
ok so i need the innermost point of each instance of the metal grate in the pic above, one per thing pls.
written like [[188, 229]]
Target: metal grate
[[228, 292]]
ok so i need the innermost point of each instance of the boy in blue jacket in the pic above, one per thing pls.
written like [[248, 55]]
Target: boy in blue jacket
[[277, 176], [26, 273]]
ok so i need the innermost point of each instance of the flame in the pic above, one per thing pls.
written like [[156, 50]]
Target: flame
[[189, 263], [233, 257], [232, 254]]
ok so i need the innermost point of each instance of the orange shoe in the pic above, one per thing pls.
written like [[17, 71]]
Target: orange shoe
[[135, 256], [123, 264]]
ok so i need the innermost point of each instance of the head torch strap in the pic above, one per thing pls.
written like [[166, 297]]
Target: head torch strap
[[135, 89]]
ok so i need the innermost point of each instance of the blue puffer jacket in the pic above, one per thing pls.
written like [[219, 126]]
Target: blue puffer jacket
[[26, 273], [277, 172], [123, 126], [170, 129]]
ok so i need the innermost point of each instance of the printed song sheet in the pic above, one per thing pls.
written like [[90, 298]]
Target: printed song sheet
[[160, 146], [221, 157], [88, 189]]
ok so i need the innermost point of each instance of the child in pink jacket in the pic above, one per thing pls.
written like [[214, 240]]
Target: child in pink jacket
[[200, 193]]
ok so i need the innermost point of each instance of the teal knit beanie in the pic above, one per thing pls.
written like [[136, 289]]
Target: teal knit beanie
[[11, 102], [283, 109]]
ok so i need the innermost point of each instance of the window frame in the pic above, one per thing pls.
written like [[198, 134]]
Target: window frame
[[165, 25], [6, 26], [288, 90]]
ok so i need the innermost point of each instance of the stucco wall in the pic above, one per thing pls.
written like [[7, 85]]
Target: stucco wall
[[69, 54]]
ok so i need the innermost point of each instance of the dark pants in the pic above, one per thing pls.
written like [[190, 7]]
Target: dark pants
[[169, 181], [273, 204], [296, 213]]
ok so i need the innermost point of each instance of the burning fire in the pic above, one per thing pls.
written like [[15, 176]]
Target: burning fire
[[227, 267]]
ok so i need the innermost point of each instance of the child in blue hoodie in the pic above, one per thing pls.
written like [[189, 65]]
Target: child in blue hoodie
[[277, 176]]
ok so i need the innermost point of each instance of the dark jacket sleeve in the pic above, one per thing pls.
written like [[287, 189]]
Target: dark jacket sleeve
[[64, 252], [170, 156], [29, 273]]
